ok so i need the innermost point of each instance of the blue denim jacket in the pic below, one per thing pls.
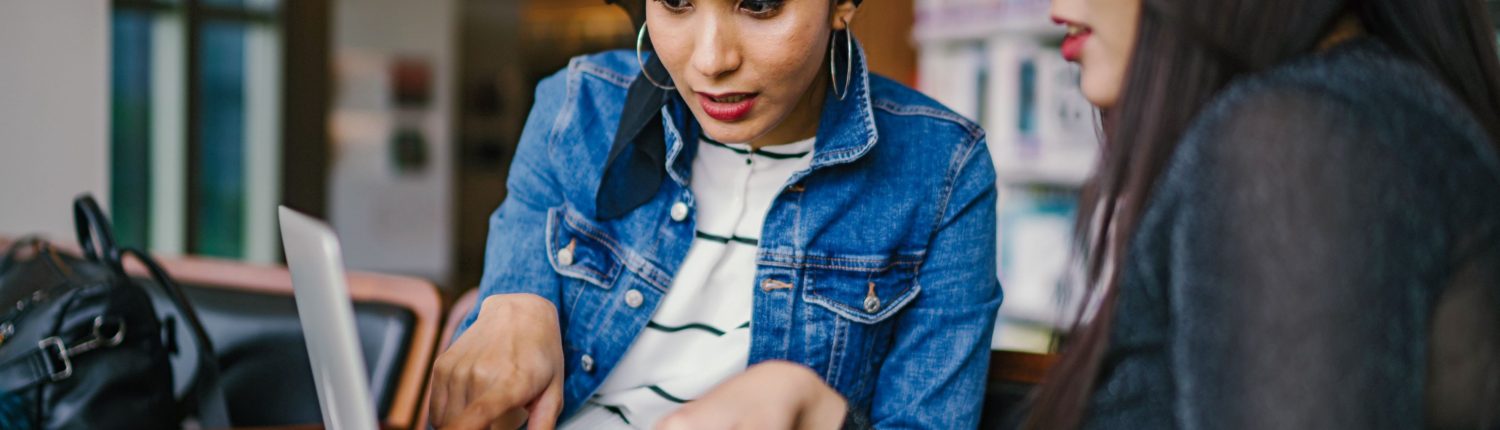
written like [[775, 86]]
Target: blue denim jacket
[[887, 242]]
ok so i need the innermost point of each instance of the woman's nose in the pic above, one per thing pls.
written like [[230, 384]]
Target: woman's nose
[[717, 51]]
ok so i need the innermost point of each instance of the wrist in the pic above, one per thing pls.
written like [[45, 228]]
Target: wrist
[[515, 299], [518, 304], [524, 315]]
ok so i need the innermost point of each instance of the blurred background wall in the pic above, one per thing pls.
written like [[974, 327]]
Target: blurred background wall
[[391, 177], [54, 116]]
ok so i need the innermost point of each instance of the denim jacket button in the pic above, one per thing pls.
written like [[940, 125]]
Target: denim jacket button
[[872, 304], [566, 253], [679, 211], [633, 298], [588, 363]]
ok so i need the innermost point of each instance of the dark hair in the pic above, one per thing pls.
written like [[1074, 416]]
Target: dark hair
[[1186, 51]]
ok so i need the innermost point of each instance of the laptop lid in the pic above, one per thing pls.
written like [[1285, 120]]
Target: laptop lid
[[327, 316]]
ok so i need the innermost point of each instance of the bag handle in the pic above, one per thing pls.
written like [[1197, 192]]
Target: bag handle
[[179, 300], [92, 225], [205, 396], [207, 399]]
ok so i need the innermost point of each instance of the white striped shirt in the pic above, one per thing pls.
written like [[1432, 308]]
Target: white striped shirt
[[700, 335]]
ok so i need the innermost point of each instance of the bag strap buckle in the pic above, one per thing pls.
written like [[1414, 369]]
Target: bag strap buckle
[[100, 339], [55, 355]]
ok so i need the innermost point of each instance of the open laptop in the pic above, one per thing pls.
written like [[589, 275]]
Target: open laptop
[[327, 314]]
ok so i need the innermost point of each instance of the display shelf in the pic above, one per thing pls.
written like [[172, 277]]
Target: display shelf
[[1021, 336], [983, 25], [1060, 171], [938, 20], [997, 63]]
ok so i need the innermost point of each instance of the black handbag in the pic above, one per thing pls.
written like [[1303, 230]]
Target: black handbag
[[82, 346]]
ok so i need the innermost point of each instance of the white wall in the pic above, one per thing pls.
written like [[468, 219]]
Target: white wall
[[391, 221], [54, 114]]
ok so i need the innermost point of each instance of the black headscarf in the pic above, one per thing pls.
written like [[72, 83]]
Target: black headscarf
[[636, 165]]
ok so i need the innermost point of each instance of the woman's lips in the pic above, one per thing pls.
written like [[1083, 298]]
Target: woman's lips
[[727, 107], [1072, 45]]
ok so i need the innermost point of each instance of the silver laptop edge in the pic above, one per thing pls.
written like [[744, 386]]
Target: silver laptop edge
[[327, 315]]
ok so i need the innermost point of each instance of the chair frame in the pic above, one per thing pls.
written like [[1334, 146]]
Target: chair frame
[[418, 296]]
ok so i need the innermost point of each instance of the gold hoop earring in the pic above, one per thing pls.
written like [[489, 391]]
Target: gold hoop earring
[[833, 76], [639, 37]]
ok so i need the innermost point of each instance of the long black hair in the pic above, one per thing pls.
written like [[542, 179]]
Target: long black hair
[[1186, 51]]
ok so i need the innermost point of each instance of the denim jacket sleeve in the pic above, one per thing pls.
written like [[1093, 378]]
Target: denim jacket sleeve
[[515, 255], [935, 372]]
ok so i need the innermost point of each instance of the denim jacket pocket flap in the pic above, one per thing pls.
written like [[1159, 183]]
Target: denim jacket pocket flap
[[864, 296], [578, 249]]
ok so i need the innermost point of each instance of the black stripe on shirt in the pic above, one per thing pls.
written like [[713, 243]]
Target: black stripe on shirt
[[722, 239], [665, 395], [692, 326], [740, 151], [779, 156], [760, 152], [617, 411]]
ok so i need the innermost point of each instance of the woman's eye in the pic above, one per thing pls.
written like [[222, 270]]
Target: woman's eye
[[675, 6], [760, 8]]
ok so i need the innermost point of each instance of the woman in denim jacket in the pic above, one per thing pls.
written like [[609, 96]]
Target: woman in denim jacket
[[852, 228]]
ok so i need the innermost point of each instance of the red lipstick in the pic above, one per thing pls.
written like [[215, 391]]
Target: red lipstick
[[1072, 45], [727, 107]]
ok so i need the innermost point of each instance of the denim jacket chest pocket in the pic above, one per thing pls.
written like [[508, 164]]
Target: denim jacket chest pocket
[[585, 258], [606, 287], [577, 250], [852, 306]]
